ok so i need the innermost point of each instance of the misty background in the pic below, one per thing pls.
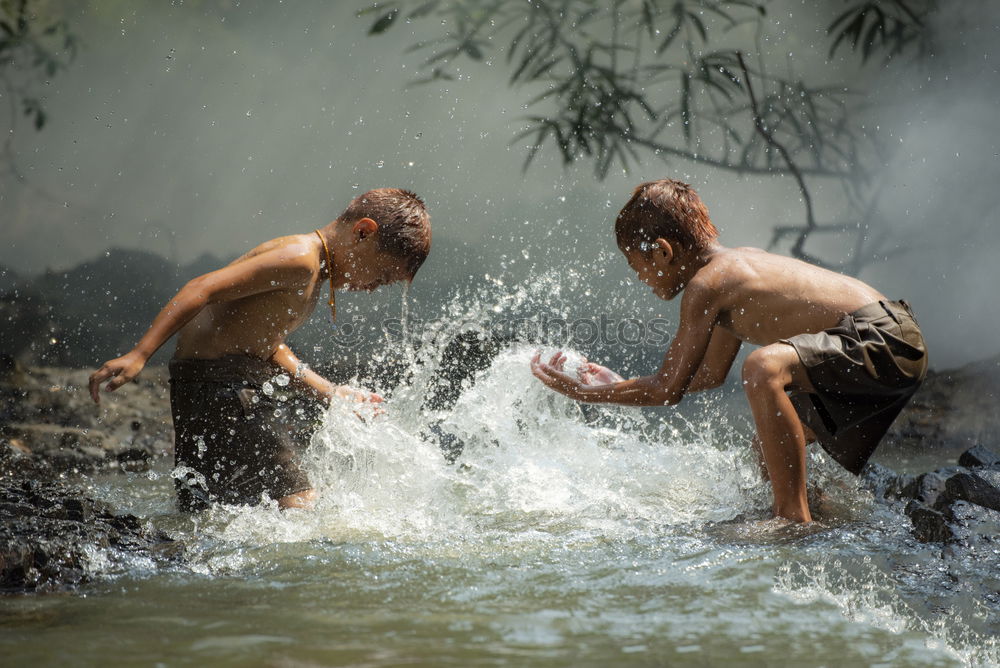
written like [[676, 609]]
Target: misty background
[[194, 131]]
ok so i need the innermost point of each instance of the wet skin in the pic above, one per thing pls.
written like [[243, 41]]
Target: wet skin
[[732, 295], [250, 306]]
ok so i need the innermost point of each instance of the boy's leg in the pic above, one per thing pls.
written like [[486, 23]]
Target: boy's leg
[[768, 374], [758, 450]]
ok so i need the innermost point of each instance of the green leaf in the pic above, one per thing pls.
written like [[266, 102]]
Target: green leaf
[[384, 22], [424, 9], [472, 51], [648, 17], [671, 36], [700, 25]]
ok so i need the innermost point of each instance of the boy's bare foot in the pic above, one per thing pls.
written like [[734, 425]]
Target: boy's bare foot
[[305, 499]]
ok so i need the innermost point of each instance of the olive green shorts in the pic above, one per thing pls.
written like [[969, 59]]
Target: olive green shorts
[[864, 371], [233, 443]]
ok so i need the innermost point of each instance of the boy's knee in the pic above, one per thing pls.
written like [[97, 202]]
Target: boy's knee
[[767, 366]]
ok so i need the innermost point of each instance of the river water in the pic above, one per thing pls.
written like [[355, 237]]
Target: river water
[[561, 536]]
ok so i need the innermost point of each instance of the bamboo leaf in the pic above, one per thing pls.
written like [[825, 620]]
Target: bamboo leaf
[[384, 22], [424, 9], [472, 50], [699, 25]]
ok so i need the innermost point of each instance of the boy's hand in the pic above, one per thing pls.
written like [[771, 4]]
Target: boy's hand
[[345, 392], [595, 374], [120, 370], [553, 376]]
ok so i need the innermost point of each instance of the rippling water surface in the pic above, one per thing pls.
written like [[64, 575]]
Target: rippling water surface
[[558, 538]]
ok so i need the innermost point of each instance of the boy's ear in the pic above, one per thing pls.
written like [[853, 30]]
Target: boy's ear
[[365, 227], [664, 249]]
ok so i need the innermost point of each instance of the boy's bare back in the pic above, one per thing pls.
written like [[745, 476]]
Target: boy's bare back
[[278, 301], [761, 298]]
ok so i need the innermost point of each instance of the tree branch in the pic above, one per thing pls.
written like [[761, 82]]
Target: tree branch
[[798, 248]]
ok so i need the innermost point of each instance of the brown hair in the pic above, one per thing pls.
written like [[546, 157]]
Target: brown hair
[[404, 228], [667, 209]]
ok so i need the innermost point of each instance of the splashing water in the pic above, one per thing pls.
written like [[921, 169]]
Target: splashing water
[[404, 311], [638, 535]]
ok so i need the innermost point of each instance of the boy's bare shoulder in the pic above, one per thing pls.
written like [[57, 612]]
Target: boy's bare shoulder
[[295, 251], [727, 269]]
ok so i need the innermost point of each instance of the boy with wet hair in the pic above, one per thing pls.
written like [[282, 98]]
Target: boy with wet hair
[[232, 323], [837, 361]]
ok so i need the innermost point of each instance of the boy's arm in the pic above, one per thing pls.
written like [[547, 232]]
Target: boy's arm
[[273, 270], [314, 383], [722, 350], [664, 388]]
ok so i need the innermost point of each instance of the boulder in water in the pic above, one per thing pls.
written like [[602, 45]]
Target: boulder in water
[[979, 457], [50, 534], [976, 488], [929, 525]]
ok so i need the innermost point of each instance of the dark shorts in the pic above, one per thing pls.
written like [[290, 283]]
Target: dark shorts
[[233, 442], [864, 370]]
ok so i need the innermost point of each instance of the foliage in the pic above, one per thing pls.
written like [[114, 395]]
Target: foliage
[[890, 26], [614, 80], [33, 47]]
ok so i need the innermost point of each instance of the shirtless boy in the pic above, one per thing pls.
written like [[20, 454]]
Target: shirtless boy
[[232, 325], [836, 363]]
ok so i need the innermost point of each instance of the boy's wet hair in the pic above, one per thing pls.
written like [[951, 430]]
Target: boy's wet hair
[[404, 227], [667, 209]]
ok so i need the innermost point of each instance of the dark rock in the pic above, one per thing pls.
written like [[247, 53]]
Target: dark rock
[[885, 483], [978, 456], [973, 488], [49, 531], [927, 488], [929, 525]]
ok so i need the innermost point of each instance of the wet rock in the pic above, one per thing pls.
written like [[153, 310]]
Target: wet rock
[[975, 488], [885, 483], [50, 532], [929, 525], [979, 456], [930, 488]]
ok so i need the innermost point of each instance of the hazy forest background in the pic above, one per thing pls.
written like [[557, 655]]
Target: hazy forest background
[[148, 142]]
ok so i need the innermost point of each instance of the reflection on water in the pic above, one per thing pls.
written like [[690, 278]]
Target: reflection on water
[[557, 537]]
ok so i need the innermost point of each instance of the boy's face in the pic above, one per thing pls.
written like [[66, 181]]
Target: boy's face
[[365, 266], [652, 264], [370, 268]]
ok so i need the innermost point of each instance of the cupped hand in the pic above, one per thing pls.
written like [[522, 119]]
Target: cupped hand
[[553, 376], [120, 370], [595, 374]]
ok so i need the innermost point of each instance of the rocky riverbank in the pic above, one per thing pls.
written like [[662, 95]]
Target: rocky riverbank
[[51, 534], [50, 432]]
